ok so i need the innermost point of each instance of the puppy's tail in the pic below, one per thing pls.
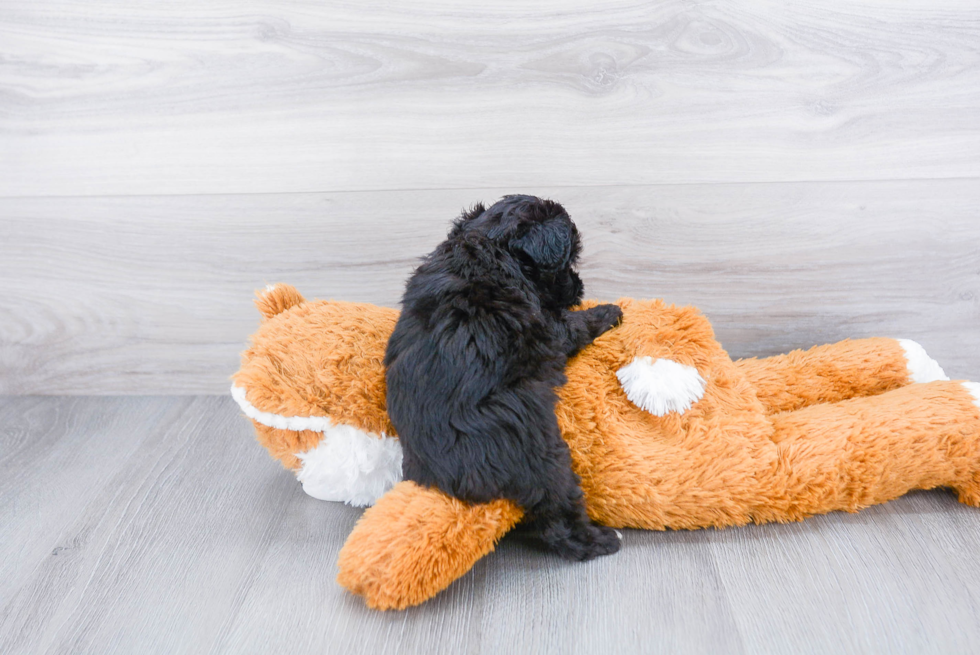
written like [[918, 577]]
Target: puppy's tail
[[277, 298]]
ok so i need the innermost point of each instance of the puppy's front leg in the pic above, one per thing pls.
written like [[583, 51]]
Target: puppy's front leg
[[583, 327]]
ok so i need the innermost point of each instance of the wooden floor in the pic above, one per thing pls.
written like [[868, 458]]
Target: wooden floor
[[158, 525]]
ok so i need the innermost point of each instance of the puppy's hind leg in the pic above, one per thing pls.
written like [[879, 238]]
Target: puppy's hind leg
[[565, 528], [556, 514]]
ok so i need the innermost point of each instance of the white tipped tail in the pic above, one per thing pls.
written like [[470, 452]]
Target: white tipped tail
[[974, 389], [922, 367]]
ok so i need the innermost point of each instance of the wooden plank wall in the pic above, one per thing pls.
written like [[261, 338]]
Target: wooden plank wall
[[803, 173]]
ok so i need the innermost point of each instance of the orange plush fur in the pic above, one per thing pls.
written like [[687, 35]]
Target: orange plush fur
[[837, 427]]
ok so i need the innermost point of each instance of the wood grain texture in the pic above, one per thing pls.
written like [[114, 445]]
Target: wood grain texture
[[109, 98], [158, 525], [139, 561], [153, 294], [842, 583], [803, 173]]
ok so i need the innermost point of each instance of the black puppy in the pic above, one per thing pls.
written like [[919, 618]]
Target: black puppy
[[472, 365]]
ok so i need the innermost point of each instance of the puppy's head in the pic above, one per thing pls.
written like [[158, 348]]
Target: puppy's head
[[540, 235]]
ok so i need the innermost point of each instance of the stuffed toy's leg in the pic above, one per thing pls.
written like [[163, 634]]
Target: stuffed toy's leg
[[838, 456], [838, 371], [416, 541], [859, 452]]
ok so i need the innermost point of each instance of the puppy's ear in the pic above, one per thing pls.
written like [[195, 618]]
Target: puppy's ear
[[474, 212], [549, 244]]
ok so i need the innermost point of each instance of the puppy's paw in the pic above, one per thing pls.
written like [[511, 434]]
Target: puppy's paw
[[604, 318], [588, 541]]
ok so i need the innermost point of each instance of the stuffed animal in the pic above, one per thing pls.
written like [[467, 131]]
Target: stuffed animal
[[664, 429]]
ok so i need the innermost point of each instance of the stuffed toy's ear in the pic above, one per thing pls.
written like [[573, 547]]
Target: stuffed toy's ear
[[416, 541], [277, 298]]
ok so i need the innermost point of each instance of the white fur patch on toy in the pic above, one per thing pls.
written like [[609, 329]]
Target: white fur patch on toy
[[297, 423], [348, 465], [922, 367], [974, 389], [351, 466], [661, 386]]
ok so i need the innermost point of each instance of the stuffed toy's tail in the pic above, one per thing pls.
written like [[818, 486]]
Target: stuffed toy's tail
[[416, 541], [277, 298]]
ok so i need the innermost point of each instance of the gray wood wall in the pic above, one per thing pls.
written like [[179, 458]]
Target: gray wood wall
[[802, 173]]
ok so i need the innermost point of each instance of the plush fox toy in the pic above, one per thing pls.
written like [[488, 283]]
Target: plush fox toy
[[665, 431]]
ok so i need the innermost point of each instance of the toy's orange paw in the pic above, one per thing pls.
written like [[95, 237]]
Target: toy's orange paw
[[415, 542], [969, 494]]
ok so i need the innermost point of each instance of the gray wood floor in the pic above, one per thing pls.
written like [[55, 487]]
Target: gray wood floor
[[158, 525]]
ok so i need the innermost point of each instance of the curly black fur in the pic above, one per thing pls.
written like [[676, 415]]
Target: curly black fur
[[474, 360]]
